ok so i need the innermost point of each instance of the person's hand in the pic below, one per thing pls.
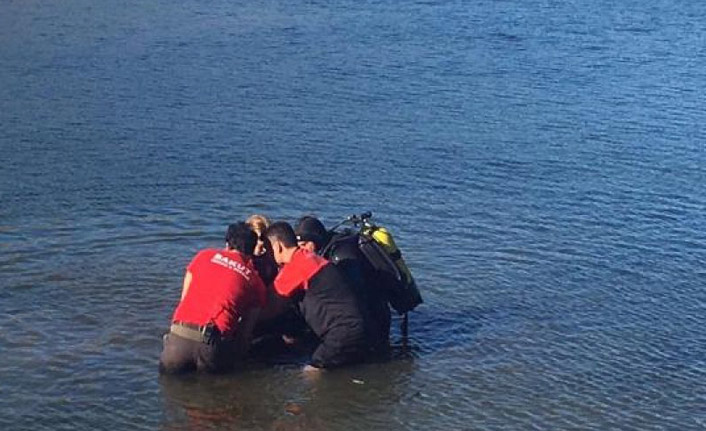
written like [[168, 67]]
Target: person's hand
[[312, 373], [308, 368]]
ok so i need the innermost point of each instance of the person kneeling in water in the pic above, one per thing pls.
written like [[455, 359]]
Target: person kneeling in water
[[220, 301], [325, 299], [313, 236]]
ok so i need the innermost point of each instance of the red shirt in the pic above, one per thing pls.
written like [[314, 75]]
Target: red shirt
[[224, 285], [295, 274]]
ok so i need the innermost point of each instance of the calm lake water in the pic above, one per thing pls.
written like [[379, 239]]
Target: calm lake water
[[542, 164]]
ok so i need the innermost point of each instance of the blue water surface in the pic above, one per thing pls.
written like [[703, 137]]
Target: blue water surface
[[541, 163]]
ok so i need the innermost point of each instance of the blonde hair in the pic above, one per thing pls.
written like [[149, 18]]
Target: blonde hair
[[258, 223]]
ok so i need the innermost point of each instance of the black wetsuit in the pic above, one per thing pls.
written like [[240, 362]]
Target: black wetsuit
[[332, 310], [330, 307], [370, 289]]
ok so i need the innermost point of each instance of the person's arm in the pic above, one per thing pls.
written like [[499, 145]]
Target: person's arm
[[276, 305], [187, 283], [188, 276], [245, 330]]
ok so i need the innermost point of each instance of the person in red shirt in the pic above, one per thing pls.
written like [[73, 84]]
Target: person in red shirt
[[325, 299], [221, 298], [343, 250]]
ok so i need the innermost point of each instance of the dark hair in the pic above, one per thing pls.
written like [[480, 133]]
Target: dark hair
[[282, 231], [241, 238], [309, 228]]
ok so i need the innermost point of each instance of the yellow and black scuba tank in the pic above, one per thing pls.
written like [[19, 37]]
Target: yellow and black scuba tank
[[378, 247], [404, 294]]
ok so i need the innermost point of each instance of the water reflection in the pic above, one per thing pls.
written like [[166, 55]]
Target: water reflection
[[285, 398]]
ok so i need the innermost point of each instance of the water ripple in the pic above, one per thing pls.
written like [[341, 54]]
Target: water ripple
[[541, 168]]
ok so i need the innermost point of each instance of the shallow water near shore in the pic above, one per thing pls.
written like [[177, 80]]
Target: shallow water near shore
[[541, 164]]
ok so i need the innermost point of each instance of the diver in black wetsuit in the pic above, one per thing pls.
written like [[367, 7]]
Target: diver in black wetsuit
[[345, 254], [325, 299]]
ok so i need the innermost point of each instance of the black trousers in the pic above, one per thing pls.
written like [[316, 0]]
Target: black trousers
[[182, 355], [337, 349]]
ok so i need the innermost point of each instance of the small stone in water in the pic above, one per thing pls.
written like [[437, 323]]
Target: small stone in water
[[293, 408]]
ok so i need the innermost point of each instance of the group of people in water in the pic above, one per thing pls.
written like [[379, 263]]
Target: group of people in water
[[271, 285]]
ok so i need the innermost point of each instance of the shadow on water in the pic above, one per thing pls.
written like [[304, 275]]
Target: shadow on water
[[282, 397]]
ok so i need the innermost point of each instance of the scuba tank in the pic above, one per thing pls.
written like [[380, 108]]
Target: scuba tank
[[405, 296], [383, 237], [378, 246]]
